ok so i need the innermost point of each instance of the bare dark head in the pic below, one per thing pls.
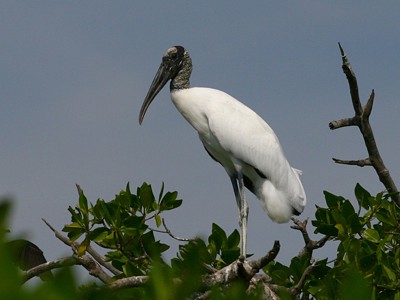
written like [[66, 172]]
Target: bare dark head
[[172, 62]]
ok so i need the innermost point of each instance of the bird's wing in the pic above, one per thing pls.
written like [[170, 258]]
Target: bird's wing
[[27, 255], [247, 137]]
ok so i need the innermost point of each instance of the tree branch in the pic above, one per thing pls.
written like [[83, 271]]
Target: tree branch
[[310, 245], [169, 232], [361, 120], [128, 282], [360, 162], [241, 269], [299, 286], [40, 269], [86, 261], [74, 246]]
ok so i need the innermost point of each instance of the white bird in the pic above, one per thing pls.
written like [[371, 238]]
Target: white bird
[[236, 137]]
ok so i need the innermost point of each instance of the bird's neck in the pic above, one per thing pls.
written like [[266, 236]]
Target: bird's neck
[[181, 80]]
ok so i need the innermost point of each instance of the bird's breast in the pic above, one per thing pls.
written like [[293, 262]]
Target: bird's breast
[[194, 107]]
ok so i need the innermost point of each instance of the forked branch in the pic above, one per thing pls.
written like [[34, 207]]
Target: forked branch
[[361, 120]]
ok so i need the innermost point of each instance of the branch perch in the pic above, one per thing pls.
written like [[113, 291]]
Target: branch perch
[[361, 120]]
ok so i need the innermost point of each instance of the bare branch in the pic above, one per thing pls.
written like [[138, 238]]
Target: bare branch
[[360, 162], [62, 238], [94, 268], [353, 85], [169, 232], [258, 264], [57, 263], [368, 106], [343, 123], [310, 245], [134, 281], [361, 120]]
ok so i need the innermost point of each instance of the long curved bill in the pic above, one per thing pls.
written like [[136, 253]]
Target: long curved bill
[[161, 78]]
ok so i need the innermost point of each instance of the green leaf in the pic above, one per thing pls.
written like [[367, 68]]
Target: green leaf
[[98, 234], [362, 196], [280, 273], [170, 201], [233, 239], [74, 234], [161, 193], [76, 216], [390, 274], [158, 220], [83, 246], [146, 197], [354, 286], [327, 229], [218, 237], [83, 203], [332, 200], [371, 235]]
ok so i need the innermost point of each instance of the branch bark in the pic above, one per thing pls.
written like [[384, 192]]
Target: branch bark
[[241, 269], [361, 120], [40, 269]]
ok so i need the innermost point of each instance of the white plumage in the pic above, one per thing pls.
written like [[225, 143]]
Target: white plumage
[[235, 136]]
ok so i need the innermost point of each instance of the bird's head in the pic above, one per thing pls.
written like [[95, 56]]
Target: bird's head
[[173, 61]]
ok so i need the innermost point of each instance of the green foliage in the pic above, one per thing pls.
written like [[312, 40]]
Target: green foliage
[[368, 254], [367, 265], [122, 226]]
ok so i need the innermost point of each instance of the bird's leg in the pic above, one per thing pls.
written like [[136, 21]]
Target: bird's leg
[[244, 212], [243, 209]]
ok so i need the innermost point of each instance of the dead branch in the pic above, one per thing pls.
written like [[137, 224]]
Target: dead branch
[[360, 162], [361, 120], [310, 245]]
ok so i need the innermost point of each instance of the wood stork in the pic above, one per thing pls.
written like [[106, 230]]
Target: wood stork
[[236, 137]]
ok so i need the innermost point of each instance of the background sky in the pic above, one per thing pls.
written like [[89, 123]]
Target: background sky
[[74, 74]]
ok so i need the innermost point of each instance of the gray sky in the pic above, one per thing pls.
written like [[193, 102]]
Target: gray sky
[[74, 75]]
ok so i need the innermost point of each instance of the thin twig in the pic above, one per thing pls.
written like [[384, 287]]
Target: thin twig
[[173, 236], [62, 238], [359, 162]]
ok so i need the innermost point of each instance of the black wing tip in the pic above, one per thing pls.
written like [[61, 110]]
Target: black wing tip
[[296, 212]]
